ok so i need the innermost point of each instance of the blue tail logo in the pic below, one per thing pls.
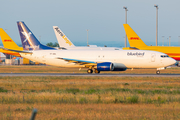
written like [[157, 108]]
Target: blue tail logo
[[29, 41], [27, 35]]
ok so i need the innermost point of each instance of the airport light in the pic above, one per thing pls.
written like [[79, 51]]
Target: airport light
[[87, 37], [169, 40], [162, 40], [156, 24], [126, 23]]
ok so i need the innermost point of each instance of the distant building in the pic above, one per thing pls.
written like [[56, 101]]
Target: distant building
[[2, 56]]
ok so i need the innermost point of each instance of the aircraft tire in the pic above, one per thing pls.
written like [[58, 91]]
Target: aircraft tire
[[89, 71], [158, 72], [97, 71]]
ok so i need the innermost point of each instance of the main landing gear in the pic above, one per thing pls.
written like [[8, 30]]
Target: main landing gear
[[90, 71], [97, 71]]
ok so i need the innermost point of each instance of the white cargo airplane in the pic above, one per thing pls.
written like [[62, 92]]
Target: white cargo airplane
[[99, 60], [64, 42]]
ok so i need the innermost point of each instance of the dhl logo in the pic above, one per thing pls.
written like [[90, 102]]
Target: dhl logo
[[67, 41], [134, 38], [7, 40]]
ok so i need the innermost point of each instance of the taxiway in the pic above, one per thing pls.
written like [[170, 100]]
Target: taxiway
[[89, 75]]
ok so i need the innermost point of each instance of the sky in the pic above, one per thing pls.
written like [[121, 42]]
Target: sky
[[103, 18]]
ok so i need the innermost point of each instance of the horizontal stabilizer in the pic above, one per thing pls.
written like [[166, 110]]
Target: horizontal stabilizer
[[130, 48], [17, 51]]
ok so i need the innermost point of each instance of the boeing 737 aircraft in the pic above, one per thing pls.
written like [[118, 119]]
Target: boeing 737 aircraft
[[64, 42], [99, 60], [136, 42]]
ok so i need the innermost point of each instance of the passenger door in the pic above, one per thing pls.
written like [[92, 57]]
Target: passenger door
[[153, 57]]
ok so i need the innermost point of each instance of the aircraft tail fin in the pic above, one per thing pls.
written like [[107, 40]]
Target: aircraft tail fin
[[133, 38], [7, 41], [29, 41], [62, 39]]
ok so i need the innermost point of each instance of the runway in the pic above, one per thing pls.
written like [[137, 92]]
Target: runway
[[89, 75]]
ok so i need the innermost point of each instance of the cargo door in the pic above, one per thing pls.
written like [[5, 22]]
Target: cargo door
[[44, 59]]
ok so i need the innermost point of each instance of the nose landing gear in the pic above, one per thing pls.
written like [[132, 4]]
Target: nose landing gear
[[158, 72]]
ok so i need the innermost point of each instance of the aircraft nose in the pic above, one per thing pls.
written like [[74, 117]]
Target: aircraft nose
[[172, 61]]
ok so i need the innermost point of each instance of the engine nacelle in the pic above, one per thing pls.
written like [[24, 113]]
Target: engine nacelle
[[120, 69], [106, 66]]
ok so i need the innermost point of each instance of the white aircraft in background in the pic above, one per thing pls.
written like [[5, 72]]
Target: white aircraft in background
[[64, 42], [97, 60]]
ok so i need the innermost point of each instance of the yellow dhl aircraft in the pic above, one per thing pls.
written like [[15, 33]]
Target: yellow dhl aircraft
[[9, 44], [136, 43]]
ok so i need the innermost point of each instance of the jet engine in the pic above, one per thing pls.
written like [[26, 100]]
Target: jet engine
[[108, 66]]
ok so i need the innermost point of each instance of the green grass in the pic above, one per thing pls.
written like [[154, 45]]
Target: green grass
[[89, 90], [90, 97], [3, 90]]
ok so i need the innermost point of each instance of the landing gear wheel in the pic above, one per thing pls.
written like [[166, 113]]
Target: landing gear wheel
[[97, 71], [89, 71], [158, 72]]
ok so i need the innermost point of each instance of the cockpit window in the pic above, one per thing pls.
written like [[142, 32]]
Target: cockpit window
[[163, 56]]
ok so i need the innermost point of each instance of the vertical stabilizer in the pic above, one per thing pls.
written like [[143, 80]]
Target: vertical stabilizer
[[133, 38], [7, 41], [62, 39], [29, 41]]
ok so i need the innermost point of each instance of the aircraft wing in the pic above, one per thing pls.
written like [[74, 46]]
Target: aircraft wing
[[80, 62], [17, 51], [130, 48]]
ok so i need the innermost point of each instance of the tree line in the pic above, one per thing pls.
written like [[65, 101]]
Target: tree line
[[50, 44]]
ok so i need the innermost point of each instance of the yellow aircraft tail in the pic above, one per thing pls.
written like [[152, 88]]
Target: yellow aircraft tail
[[8, 42], [133, 38]]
